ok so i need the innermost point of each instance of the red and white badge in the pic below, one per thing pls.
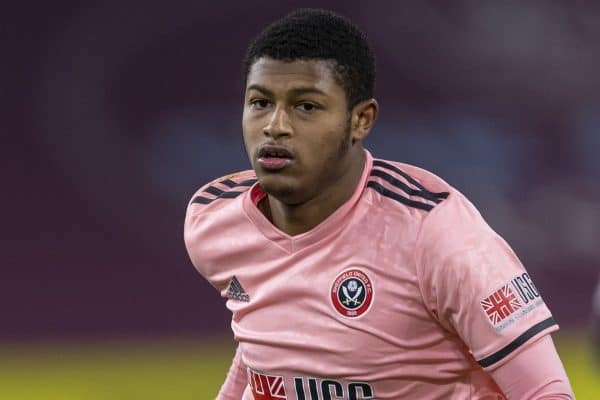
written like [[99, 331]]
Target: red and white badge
[[352, 293]]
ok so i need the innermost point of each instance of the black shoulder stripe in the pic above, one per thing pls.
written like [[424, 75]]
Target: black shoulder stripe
[[230, 195], [393, 195], [404, 187], [221, 194], [383, 164], [224, 195], [248, 182], [201, 200], [515, 344], [213, 190], [229, 183], [218, 192], [232, 184]]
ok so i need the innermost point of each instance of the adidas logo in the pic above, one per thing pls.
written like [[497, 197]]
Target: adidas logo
[[236, 291]]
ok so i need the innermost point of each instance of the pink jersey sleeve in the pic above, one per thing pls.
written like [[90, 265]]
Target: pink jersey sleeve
[[210, 225], [535, 373], [475, 286], [236, 381]]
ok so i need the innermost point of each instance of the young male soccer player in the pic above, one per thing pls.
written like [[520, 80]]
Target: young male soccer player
[[351, 277]]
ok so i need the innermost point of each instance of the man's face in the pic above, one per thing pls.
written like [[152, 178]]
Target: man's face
[[296, 127]]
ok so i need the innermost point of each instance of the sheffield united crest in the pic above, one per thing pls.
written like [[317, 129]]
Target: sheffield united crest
[[352, 293]]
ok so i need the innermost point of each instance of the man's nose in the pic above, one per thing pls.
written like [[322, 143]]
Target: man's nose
[[278, 124]]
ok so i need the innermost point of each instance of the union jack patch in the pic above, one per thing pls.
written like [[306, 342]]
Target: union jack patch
[[501, 304], [266, 387]]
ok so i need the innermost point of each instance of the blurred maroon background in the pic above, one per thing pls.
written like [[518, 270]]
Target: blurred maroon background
[[113, 113]]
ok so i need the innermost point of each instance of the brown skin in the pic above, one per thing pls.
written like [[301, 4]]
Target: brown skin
[[300, 106]]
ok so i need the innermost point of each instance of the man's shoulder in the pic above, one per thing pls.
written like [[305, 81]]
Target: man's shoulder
[[429, 180], [215, 214], [409, 185], [218, 191], [451, 220]]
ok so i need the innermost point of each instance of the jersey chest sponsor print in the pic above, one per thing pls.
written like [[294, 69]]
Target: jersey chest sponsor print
[[272, 387]]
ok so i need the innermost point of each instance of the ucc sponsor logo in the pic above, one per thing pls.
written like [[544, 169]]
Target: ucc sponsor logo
[[272, 387], [331, 389], [511, 302], [525, 288]]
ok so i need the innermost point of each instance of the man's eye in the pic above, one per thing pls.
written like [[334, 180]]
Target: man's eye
[[307, 107], [260, 103]]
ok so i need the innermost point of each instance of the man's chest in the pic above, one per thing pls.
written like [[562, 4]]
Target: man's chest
[[340, 316]]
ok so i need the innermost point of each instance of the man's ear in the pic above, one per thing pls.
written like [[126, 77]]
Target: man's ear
[[364, 115]]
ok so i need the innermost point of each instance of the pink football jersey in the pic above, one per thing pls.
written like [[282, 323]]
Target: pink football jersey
[[403, 292]]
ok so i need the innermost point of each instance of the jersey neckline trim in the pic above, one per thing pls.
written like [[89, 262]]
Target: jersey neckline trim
[[331, 224]]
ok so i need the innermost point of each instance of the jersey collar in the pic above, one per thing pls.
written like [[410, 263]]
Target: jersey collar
[[333, 223]]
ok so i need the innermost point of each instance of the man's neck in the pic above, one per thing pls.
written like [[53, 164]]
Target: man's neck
[[297, 219]]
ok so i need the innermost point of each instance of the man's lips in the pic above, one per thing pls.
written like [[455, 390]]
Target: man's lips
[[274, 157], [268, 150], [274, 163]]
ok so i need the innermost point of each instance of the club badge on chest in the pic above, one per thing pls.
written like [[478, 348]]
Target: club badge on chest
[[351, 293]]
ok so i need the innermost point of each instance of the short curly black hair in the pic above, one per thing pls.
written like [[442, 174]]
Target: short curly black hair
[[315, 34]]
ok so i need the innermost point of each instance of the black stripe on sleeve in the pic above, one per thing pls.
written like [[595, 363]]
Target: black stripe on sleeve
[[224, 195], [201, 200], [248, 182], [393, 195], [229, 183], [515, 344], [230, 195], [221, 194], [214, 190], [404, 187], [383, 164]]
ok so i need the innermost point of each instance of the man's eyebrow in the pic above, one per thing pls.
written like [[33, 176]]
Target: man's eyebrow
[[259, 88], [306, 90], [295, 91]]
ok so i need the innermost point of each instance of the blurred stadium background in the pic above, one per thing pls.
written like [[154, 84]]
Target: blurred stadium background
[[113, 113]]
